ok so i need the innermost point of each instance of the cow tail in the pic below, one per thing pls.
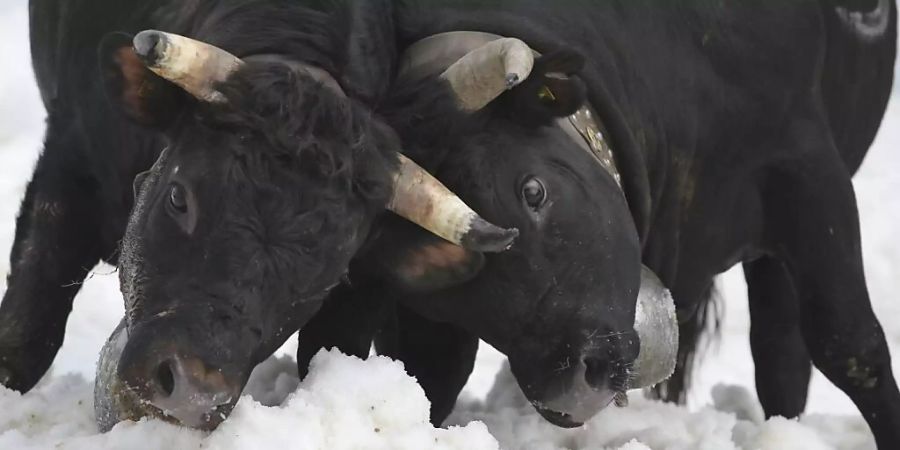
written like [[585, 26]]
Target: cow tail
[[697, 331]]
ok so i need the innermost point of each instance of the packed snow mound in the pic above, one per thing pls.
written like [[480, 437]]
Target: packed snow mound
[[734, 421], [344, 403], [348, 403]]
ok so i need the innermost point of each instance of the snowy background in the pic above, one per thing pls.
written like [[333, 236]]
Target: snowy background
[[336, 408]]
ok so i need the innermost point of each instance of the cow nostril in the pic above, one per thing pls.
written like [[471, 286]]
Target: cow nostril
[[597, 371], [166, 378]]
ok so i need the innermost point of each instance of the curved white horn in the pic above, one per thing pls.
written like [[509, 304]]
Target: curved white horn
[[193, 65], [484, 73], [657, 326], [422, 199]]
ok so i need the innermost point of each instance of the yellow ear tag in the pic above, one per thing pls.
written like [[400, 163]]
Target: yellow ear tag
[[546, 94]]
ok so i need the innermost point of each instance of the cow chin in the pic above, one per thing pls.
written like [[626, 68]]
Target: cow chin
[[575, 405], [571, 393]]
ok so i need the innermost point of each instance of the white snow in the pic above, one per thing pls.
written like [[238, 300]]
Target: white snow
[[333, 408], [348, 403]]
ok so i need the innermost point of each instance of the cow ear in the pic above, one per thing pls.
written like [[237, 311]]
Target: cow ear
[[561, 90], [133, 89], [415, 260], [552, 90]]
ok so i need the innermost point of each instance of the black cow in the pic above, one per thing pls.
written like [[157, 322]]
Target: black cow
[[274, 171], [561, 302], [736, 127]]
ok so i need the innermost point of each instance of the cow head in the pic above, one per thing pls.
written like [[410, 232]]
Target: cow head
[[562, 303], [268, 185]]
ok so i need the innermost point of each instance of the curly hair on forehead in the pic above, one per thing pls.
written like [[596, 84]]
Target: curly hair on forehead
[[289, 121]]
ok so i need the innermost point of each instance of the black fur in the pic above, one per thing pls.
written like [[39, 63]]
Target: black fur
[[281, 183], [734, 146], [550, 302]]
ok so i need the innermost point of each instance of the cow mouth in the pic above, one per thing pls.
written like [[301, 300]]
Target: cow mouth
[[557, 418], [209, 421], [575, 407]]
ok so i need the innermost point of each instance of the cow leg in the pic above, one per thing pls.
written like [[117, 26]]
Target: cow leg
[[348, 321], [817, 232], [782, 363], [56, 244], [439, 355]]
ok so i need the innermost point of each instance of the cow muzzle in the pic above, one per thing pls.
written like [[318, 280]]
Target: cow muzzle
[[583, 392], [584, 387], [142, 377], [184, 388]]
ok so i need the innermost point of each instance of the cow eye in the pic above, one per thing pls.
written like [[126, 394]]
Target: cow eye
[[177, 200], [534, 193]]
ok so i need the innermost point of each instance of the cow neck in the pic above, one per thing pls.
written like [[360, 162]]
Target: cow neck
[[434, 54]]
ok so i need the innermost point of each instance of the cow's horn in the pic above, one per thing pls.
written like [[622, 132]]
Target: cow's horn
[[193, 65], [657, 327], [421, 198], [484, 73]]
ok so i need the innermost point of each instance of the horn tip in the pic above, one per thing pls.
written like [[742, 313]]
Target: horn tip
[[486, 237], [147, 46], [512, 79]]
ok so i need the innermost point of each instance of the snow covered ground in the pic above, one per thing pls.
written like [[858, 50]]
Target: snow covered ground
[[335, 408]]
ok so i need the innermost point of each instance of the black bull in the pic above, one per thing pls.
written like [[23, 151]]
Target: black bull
[[736, 143], [737, 128], [728, 155], [275, 168]]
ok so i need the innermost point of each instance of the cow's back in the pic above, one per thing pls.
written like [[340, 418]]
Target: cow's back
[[858, 71]]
